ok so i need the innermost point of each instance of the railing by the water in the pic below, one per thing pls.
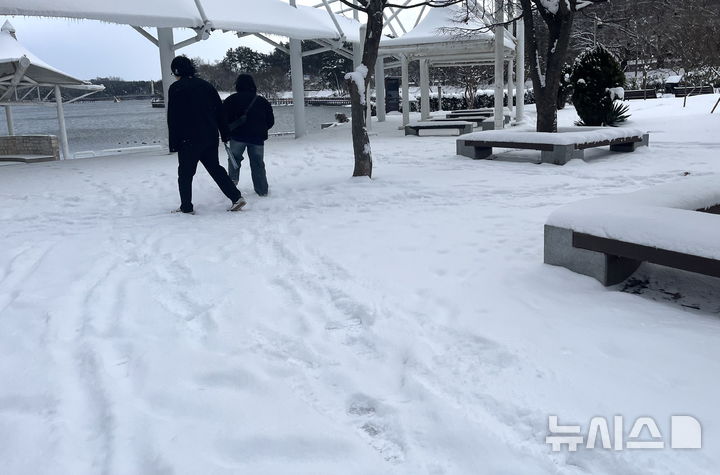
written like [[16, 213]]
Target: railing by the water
[[314, 101], [129, 97]]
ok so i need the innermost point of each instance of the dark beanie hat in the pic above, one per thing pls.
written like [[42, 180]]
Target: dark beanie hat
[[182, 66], [245, 83]]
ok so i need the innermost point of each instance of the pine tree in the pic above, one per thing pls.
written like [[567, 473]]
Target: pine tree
[[596, 74]]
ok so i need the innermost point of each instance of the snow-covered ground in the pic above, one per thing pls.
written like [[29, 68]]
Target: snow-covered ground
[[400, 325]]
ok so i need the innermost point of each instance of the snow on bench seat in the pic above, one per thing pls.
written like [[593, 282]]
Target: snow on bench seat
[[608, 237], [558, 147], [462, 126], [476, 119]]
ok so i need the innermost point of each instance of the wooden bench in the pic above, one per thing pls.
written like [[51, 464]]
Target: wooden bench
[[609, 237], [556, 148], [640, 94], [462, 126], [692, 91], [625, 257]]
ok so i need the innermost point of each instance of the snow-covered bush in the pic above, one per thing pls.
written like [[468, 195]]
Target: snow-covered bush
[[702, 77], [595, 78], [451, 103], [565, 89]]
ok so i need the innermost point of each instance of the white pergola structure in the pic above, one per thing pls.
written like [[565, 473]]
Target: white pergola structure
[[244, 17], [438, 40], [27, 80], [319, 23]]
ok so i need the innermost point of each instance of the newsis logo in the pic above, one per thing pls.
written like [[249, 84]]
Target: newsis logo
[[685, 433]]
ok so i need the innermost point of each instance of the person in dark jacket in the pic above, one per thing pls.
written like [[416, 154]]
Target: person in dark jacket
[[195, 116], [248, 133]]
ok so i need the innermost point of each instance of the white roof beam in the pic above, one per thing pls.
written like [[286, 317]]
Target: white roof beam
[[147, 35], [396, 11], [334, 20], [23, 64], [317, 51], [190, 41], [273, 43], [389, 25], [400, 23], [337, 47], [419, 17], [29, 91]]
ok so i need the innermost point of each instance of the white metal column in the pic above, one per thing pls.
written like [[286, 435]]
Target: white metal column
[[166, 45], [9, 119], [380, 89], [405, 89], [357, 53], [298, 85], [520, 72], [510, 87], [357, 48], [424, 90], [61, 121], [499, 31]]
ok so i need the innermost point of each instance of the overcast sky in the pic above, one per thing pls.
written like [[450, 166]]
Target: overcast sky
[[87, 49]]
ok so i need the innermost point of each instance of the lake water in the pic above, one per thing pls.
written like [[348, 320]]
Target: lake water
[[101, 125]]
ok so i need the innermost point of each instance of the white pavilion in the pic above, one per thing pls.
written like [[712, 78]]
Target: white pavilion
[[428, 41]]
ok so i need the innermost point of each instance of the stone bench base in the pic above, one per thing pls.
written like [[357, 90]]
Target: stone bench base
[[29, 148], [549, 153], [27, 158], [461, 128], [608, 270]]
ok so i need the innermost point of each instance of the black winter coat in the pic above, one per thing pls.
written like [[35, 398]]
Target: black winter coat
[[260, 117], [194, 113]]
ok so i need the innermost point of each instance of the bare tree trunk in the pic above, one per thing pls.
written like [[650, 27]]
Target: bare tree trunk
[[361, 141], [547, 82]]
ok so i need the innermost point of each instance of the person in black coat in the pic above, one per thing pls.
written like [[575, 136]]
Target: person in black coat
[[195, 116], [249, 117]]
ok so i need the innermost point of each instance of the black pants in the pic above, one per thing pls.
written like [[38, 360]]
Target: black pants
[[189, 154]]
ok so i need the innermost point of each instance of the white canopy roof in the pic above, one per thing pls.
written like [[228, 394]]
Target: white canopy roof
[[247, 16], [349, 27], [37, 73], [437, 34]]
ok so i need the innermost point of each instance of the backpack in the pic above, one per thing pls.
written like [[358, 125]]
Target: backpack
[[242, 120]]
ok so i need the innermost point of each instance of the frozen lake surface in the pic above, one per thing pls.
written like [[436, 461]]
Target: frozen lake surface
[[105, 124]]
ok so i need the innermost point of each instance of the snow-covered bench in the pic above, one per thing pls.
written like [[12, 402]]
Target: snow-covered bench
[[461, 126], [693, 91], [557, 148], [476, 119], [485, 111], [639, 94], [607, 238]]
